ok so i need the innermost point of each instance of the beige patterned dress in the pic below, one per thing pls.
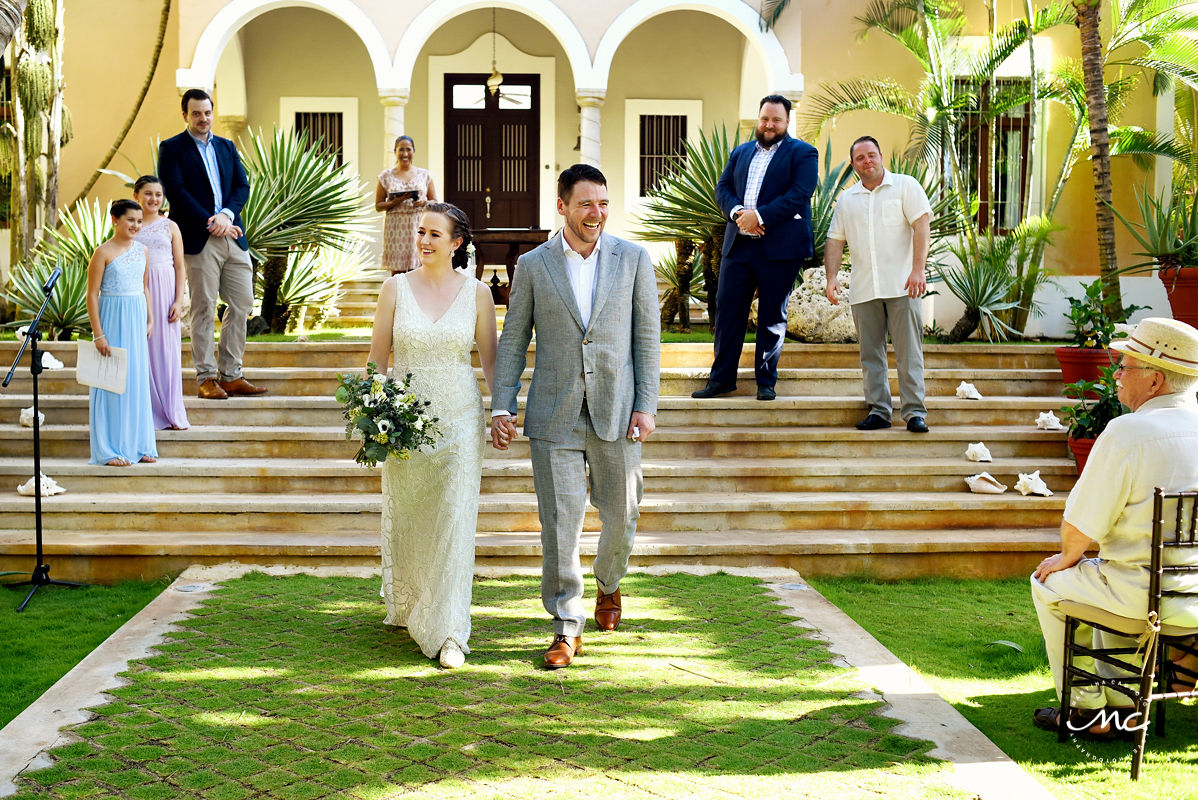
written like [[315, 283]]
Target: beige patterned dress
[[399, 226], [430, 501]]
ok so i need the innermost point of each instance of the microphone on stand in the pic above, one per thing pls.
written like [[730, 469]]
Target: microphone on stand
[[48, 286]]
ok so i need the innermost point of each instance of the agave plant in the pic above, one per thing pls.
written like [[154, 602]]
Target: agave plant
[[677, 295], [70, 247], [982, 280], [683, 205], [823, 202], [300, 200], [314, 279]]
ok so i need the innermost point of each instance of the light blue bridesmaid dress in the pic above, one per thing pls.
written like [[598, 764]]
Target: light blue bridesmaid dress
[[122, 425]]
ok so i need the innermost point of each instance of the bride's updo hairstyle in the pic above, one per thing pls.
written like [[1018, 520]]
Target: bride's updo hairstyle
[[461, 229]]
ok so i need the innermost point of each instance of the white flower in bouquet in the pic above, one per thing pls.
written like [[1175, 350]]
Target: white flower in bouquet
[[384, 425]]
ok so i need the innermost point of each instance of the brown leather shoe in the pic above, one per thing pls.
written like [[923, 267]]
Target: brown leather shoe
[[607, 610], [242, 387], [210, 390], [561, 653]]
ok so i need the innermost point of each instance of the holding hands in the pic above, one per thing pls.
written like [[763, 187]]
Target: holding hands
[[503, 431]]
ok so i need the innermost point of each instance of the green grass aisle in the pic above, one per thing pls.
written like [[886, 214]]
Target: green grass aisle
[[58, 628], [292, 688], [943, 629]]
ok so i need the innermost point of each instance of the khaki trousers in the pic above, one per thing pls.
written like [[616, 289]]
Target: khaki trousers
[[221, 269], [901, 318]]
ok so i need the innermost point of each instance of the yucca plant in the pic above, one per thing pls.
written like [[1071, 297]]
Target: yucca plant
[[300, 200], [70, 247], [676, 294], [683, 205], [823, 202]]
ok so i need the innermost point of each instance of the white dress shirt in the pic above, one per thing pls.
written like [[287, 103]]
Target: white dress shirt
[[582, 277], [877, 227]]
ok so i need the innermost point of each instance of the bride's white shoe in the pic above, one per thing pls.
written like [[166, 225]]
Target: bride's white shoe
[[452, 656]]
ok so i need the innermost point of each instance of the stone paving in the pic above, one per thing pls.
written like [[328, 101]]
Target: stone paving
[[290, 687]]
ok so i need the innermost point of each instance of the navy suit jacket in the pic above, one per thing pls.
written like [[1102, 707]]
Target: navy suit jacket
[[185, 184], [784, 201]]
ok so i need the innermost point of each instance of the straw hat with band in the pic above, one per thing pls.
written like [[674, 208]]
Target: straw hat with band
[[1164, 343]]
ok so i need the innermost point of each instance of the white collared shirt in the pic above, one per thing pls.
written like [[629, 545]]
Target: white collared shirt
[[877, 227], [582, 277]]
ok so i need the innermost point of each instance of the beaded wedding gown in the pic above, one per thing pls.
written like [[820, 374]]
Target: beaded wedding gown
[[430, 501]]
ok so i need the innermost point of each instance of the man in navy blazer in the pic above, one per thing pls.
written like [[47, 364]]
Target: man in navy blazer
[[766, 192], [206, 185]]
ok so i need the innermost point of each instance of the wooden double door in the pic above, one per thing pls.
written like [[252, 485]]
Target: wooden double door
[[492, 149]]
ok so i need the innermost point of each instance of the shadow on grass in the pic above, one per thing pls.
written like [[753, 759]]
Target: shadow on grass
[[293, 687]]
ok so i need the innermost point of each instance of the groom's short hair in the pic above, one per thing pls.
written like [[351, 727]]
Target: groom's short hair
[[577, 173]]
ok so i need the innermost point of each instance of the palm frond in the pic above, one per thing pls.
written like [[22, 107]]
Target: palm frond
[[771, 10], [831, 100], [683, 205]]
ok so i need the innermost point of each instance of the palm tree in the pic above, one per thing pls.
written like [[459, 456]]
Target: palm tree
[[300, 200], [11, 12], [1100, 143]]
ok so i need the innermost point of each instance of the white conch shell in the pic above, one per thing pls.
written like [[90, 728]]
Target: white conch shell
[[1048, 422], [967, 391], [978, 452], [27, 418], [1031, 484], [50, 362], [984, 483], [49, 487]]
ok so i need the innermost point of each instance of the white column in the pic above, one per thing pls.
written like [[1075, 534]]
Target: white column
[[393, 121], [794, 98], [590, 102], [1165, 123]]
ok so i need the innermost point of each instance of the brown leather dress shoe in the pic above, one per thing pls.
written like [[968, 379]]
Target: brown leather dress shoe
[[242, 387], [561, 653], [210, 390], [607, 610]]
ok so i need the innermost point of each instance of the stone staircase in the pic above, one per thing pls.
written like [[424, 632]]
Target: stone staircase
[[731, 481]]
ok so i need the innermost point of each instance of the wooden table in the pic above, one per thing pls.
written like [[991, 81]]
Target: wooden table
[[518, 240]]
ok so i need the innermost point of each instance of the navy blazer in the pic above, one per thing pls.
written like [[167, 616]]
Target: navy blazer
[[784, 201], [185, 184]]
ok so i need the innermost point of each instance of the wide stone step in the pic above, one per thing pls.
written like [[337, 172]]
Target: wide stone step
[[299, 476], [222, 441], [112, 555], [345, 355], [673, 412], [660, 512], [674, 381]]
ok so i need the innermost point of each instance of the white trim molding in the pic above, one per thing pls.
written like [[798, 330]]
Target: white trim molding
[[633, 109]]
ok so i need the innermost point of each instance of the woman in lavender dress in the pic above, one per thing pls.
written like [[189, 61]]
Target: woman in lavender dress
[[164, 244]]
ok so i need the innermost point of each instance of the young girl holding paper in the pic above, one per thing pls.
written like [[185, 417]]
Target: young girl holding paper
[[122, 425]]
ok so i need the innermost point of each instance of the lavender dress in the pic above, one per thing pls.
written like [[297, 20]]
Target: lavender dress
[[166, 367]]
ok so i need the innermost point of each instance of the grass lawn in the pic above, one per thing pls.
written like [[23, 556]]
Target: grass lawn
[[55, 631], [291, 687], [941, 628]]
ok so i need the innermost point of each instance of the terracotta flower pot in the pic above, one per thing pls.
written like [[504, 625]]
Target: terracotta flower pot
[[1181, 284], [1081, 451], [1082, 364]]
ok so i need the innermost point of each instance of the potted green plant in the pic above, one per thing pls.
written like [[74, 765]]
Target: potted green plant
[[1091, 329], [1097, 404], [1168, 232]]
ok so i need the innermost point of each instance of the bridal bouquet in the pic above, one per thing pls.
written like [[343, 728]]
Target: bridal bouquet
[[384, 415]]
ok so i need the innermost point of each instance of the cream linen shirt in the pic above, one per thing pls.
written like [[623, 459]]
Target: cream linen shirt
[[877, 227], [1112, 500]]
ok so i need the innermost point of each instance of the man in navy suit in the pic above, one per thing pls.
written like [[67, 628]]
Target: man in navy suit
[[766, 192], [206, 185]]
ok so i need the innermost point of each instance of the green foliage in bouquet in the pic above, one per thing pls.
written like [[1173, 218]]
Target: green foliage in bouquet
[[385, 415]]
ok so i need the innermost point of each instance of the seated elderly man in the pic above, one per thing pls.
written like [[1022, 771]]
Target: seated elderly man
[[1156, 445]]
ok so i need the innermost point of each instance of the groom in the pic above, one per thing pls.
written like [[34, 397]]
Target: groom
[[592, 299]]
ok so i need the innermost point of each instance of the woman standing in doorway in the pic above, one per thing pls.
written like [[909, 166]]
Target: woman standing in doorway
[[402, 192]]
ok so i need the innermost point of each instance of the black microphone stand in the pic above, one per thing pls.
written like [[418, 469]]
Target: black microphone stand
[[41, 572]]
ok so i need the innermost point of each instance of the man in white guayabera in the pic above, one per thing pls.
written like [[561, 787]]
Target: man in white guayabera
[[1111, 504]]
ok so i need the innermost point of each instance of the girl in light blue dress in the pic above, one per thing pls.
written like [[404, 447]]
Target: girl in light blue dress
[[122, 425]]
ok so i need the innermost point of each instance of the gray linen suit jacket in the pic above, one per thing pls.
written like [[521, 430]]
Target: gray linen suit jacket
[[614, 363]]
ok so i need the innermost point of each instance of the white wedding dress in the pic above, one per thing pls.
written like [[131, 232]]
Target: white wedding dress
[[430, 501]]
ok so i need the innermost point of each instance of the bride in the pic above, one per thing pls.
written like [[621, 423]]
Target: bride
[[432, 318]]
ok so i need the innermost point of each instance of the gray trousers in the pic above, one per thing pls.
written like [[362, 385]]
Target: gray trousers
[[559, 471], [221, 269], [899, 317]]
